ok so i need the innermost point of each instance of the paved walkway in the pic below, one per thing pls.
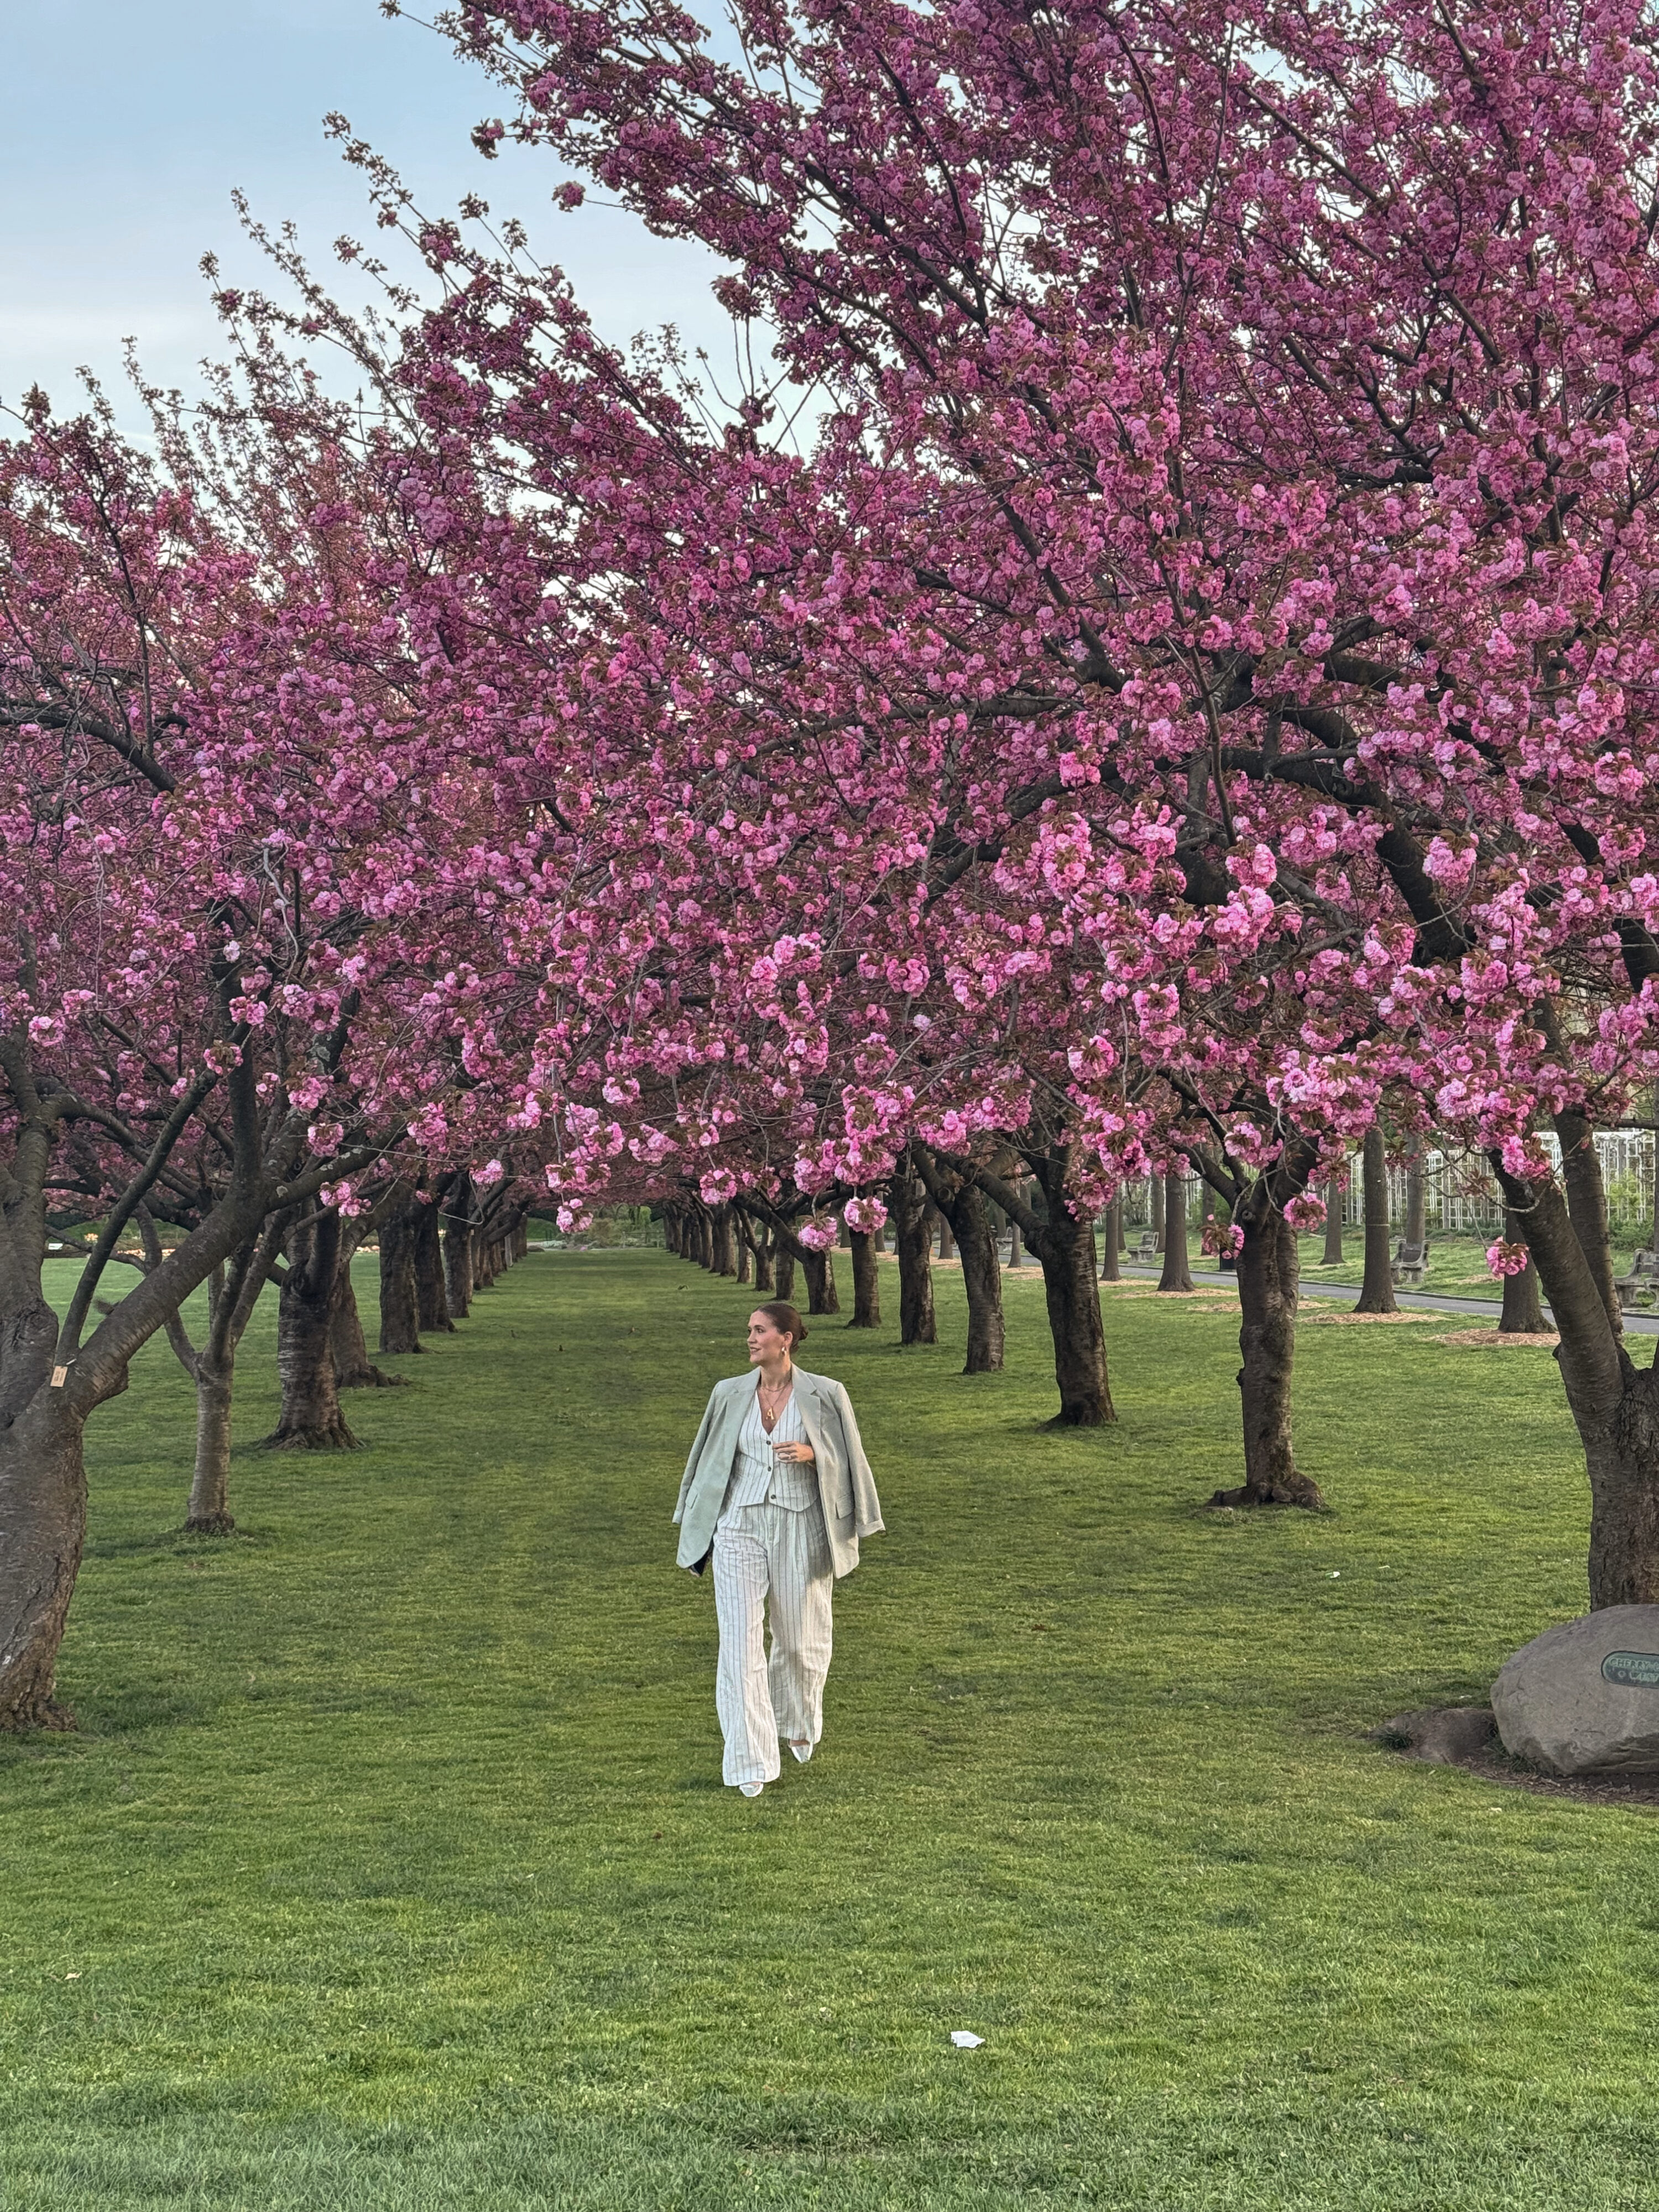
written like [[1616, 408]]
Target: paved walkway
[[1636, 1324]]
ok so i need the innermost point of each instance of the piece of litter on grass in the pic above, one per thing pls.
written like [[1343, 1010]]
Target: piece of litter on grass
[[1336, 1574], [964, 2040]]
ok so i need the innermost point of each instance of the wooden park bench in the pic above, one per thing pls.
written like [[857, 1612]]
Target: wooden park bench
[[1641, 1287], [1411, 1265]]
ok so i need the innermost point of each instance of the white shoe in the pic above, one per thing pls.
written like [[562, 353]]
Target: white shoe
[[751, 1788], [802, 1751]]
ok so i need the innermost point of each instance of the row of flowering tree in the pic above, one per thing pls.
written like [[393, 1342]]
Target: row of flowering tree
[[253, 882], [1194, 693], [1159, 678]]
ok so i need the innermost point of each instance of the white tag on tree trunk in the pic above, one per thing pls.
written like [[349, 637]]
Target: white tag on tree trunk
[[59, 1377]]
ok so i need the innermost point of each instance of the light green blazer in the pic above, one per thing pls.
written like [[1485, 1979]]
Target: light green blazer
[[845, 1486]]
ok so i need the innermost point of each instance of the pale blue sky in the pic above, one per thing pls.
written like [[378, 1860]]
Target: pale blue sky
[[129, 122]]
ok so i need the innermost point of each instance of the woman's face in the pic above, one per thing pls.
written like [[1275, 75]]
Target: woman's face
[[766, 1339]]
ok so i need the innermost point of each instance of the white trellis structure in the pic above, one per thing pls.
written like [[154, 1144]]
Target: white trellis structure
[[1459, 1197]]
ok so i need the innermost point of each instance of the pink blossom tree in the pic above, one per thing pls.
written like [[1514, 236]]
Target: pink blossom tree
[[242, 814], [1237, 446]]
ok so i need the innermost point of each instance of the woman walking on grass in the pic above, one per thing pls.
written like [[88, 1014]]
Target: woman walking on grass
[[777, 1492]]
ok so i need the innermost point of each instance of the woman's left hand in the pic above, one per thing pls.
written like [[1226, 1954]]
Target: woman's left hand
[[802, 1454]]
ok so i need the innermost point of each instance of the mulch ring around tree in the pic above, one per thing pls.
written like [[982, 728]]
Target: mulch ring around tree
[[1313, 1312], [1466, 1737], [1489, 1336]]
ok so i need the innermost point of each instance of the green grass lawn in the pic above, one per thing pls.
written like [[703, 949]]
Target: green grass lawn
[[391, 1865]]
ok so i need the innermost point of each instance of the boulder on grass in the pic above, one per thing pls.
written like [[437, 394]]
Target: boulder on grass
[[1583, 1698]]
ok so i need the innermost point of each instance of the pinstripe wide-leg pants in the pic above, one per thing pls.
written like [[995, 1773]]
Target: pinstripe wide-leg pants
[[770, 1562]]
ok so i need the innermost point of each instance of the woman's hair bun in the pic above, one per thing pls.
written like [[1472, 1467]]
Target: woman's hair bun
[[785, 1319]]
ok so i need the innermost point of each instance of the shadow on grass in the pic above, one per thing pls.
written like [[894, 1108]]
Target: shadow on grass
[[143, 1711], [183, 1543]]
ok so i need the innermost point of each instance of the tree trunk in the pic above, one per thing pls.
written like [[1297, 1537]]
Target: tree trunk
[[50, 1379], [1269, 1274], [1064, 1242], [1653, 1233], [1332, 1255], [867, 1281], [457, 1250], [1016, 1254], [1177, 1274], [765, 1280], [1065, 1247], [819, 1270], [1623, 1472], [783, 1269], [1111, 1241], [740, 1241], [310, 1418], [1377, 1288], [43, 1482], [400, 1309], [1157, 1209], [353, 1368], [912, 1236], [209, 1514], [1417, 1230], [981, 1279], [947, 1248], [43, 1511], [1523, 1312], [233, 1294], [1616, 1405], [706, 1239], [972, 1218], [431, 1297], [1587, 1206], [724, 1242]]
